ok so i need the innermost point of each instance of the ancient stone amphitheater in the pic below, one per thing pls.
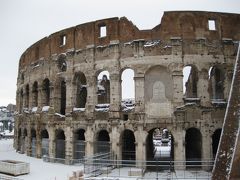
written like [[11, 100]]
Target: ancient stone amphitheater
[[69, 90]]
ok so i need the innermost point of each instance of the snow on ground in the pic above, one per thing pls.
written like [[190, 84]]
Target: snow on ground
[[39, 170]]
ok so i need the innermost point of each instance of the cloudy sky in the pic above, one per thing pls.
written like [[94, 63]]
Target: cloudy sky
[[24, 22]]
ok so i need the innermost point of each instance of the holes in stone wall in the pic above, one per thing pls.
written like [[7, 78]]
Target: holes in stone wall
[[212, 25], [60, 144], [215, 141], [102, 144], [79, 144], [63, 40], [102, 31], [45, 142], [128, 146]]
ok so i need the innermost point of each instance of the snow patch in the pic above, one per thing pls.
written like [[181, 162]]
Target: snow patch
[[45, 108], [78, 109]]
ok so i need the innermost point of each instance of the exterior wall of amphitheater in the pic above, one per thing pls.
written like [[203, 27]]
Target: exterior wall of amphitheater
[[52, 70]]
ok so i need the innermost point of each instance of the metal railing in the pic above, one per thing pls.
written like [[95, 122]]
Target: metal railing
[[3, 177]]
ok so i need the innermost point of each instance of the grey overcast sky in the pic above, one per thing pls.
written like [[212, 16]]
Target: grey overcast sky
[[23, 22]]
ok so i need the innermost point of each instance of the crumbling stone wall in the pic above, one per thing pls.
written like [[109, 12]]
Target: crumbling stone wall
[[57, 88]]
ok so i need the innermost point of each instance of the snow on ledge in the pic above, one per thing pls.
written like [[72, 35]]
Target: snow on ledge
[[34, 109], [60, 115], [45, 108], [78, 109]]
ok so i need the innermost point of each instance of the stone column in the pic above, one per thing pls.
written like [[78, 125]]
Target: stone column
[[69, 96], [115, 96], [52, 142], [202, 90], [179, 149], [206, 150], [115, 139], [91, 95], [69, 145], [89, 136], [38, 143], [177, 88], [139, 92], [140, 146]]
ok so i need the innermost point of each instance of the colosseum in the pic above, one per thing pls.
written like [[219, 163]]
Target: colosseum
[[71, 98]]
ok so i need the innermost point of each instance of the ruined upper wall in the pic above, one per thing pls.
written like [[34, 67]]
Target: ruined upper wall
[[183, 24]]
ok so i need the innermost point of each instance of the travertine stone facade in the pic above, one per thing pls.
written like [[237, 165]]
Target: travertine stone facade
[[58, 87]]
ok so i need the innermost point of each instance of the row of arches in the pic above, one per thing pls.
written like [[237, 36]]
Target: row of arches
[[127, 143], [216, 86], [216, 76]]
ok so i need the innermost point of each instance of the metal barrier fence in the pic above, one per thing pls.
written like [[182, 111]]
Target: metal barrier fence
[[102, 166], [3, 177]]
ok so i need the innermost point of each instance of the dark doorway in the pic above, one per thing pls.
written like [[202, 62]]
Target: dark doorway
[[60, 144], [79, 145], [193, 148], [45, 142], [103, 142], [128, 147]]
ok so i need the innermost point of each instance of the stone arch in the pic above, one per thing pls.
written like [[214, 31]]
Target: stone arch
[[128, 146], [33, 142], [45, 142], [102, 144], [46, 92], [35, 94], [156, 139], [127, 83], [216, 82], [79, 144], [80, 89], [103, 87], [215, 141], [193, 147], [60, 144], [190, 81]]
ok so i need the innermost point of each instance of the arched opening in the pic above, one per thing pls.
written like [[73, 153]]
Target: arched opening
[[128, 90], [63, 97], [35, 94], [193, 148], [33, 142], [103, 143], [24, 141], [103, 85], [45, 142], [160, 149], [216, 76], [79, 144], [215, 141], [80, 90], [60, 144], [128, 147], [46, 92], [27, 97], [190, 81]]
